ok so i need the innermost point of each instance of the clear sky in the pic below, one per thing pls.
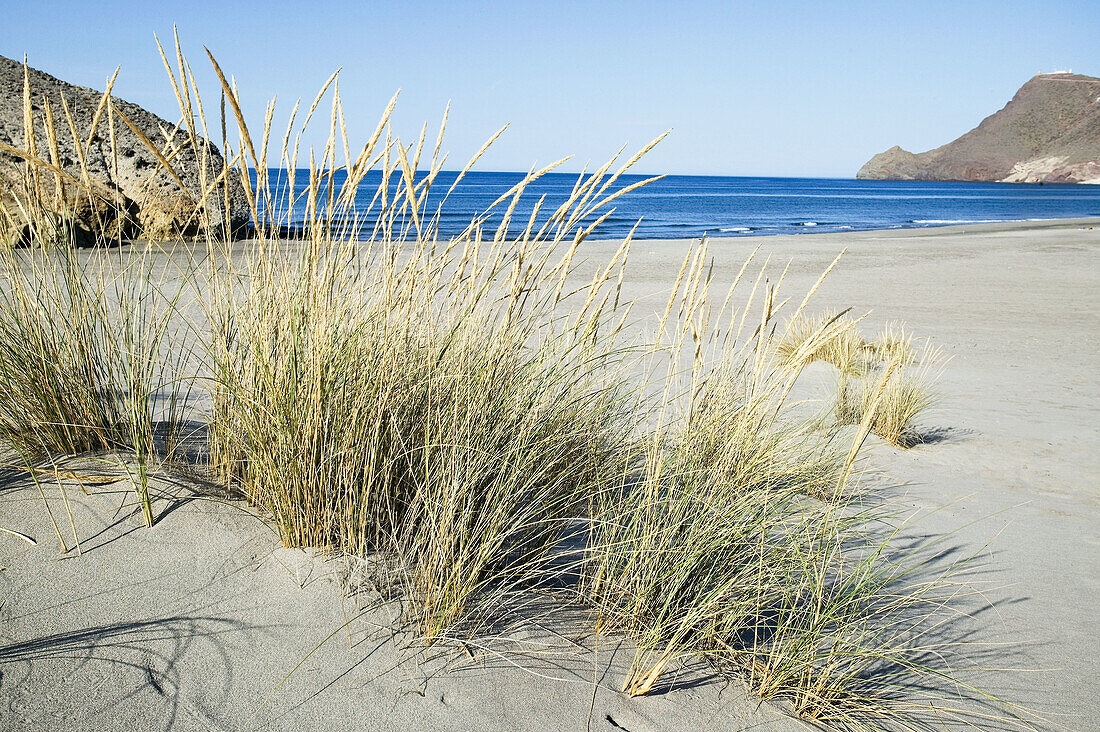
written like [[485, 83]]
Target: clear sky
[[749, 88]]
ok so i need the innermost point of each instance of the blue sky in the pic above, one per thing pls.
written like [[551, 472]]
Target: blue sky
[[761, 88]]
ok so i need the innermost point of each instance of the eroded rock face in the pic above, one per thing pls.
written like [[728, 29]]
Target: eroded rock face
[[1048, 133], [1055, 169], [131, 195]]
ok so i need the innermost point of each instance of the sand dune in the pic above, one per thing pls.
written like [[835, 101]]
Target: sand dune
[[195, 623]]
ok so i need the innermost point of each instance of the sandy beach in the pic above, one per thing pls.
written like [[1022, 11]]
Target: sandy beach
[[199, 622]]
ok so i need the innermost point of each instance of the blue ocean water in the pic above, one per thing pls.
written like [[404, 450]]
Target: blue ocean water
[[680, 206]]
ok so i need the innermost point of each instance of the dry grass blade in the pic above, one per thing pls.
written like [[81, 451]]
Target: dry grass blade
[[167, 166], [29, 539]]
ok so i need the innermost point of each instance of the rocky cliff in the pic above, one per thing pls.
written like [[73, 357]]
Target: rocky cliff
[[131, 194], [1048, 133]]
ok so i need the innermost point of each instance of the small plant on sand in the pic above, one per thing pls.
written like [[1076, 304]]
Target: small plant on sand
[[85, 359], [906, 394], [894, 343], [835, 339], [837, 342], [841, 344]]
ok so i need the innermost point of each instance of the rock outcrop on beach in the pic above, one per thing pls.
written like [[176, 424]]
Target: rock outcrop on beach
[[1048, 133], [132, 195]]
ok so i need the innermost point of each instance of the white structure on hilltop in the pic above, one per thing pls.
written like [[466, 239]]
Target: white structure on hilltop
[[1056, 71]]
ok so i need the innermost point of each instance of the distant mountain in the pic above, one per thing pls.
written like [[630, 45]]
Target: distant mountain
[[1048, 133]]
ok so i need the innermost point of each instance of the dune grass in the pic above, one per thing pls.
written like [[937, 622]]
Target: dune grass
[[893, 343], [93, 351], [837, 342], [743, 540], [906, 394], [836, 339], [88, 358], [460, 411], [457, 437], [842, 345]]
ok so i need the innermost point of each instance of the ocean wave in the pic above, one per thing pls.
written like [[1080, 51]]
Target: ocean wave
[[961, 221]]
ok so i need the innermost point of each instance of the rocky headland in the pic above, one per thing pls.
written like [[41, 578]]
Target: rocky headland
[[1048, 133], [117, 186]]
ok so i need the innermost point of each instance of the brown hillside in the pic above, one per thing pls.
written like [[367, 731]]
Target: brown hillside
[[1048, 132]]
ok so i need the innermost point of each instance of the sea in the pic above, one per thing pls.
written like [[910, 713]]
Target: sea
[[688, 206]]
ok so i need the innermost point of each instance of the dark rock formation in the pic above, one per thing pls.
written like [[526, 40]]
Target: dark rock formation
[[1049, 132], [132, 194]]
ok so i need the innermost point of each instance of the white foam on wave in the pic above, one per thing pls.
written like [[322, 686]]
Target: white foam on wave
[[968, 221], [738, 228]]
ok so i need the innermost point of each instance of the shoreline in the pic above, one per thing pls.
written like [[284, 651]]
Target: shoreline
[[904, 231]]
